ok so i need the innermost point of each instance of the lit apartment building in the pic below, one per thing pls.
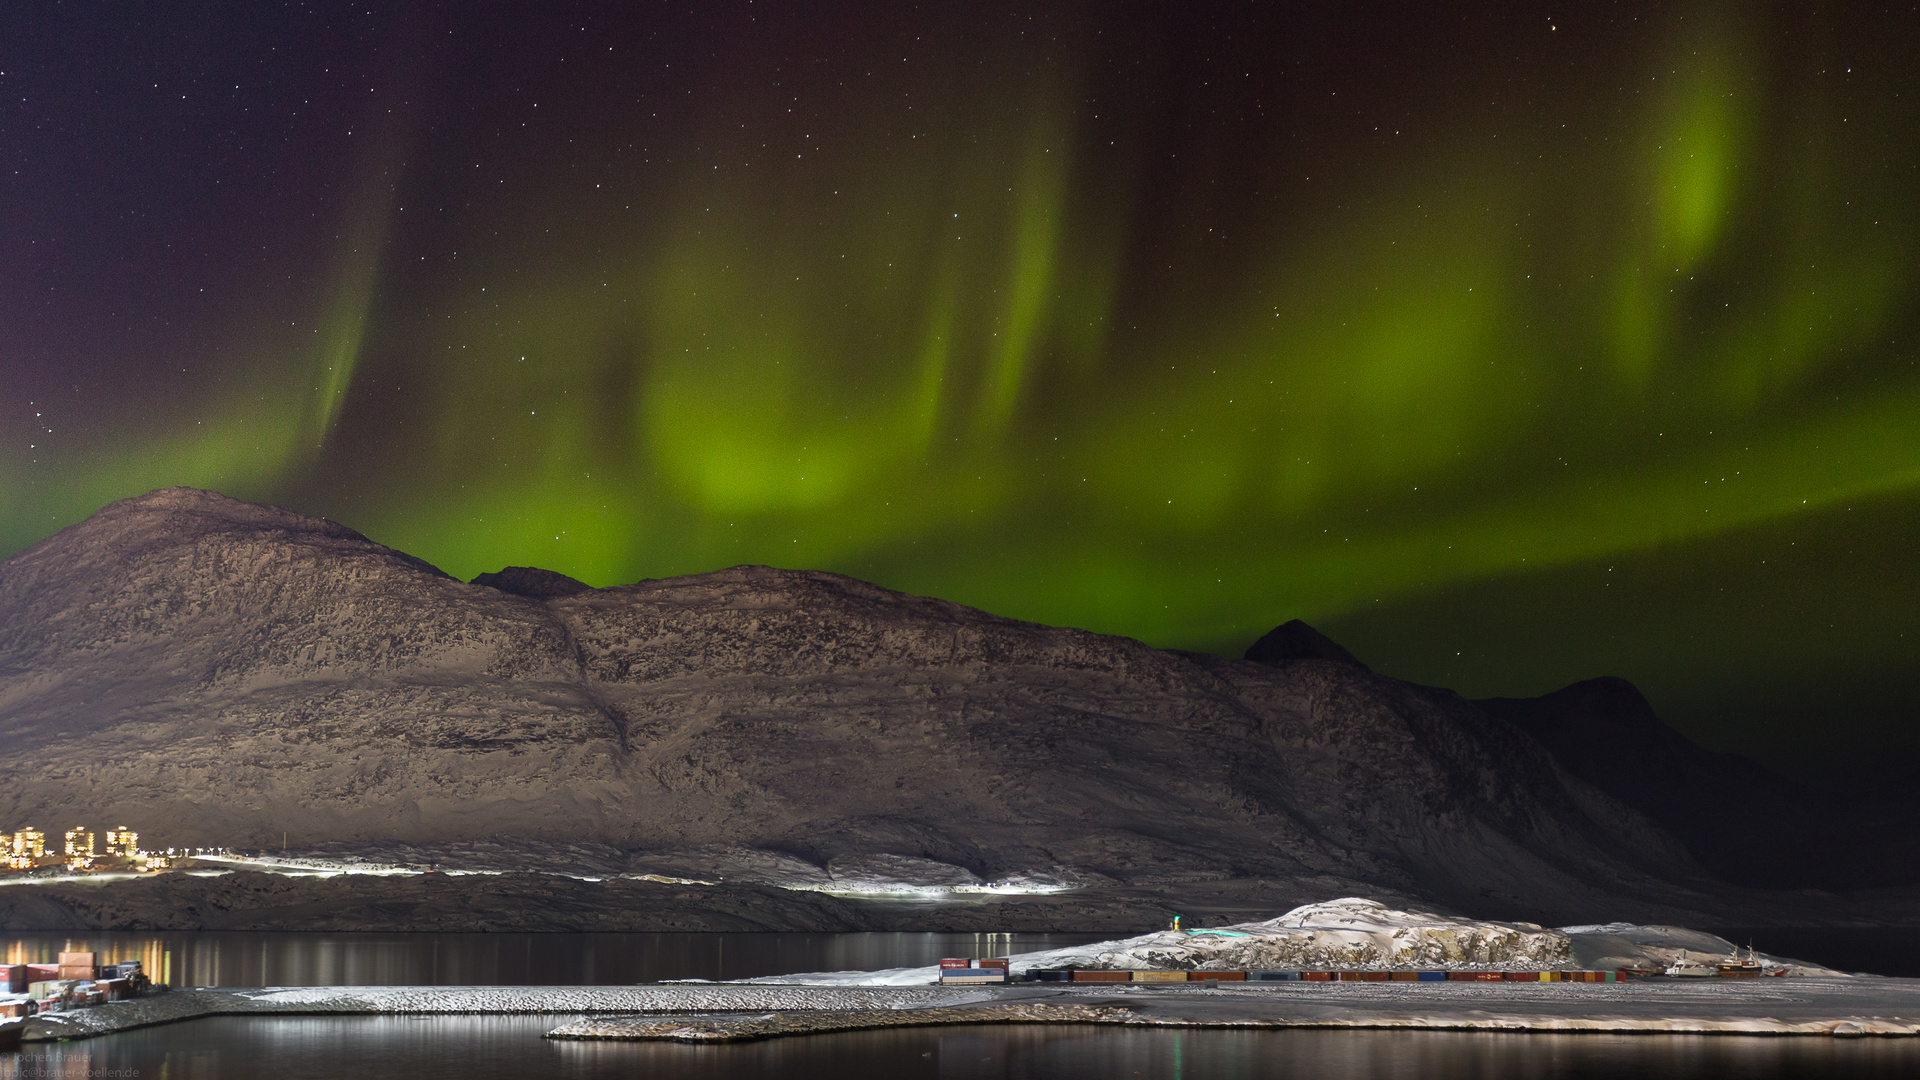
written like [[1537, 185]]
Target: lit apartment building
[[79, 848], [79, 842], [123, 843], [29, 847]]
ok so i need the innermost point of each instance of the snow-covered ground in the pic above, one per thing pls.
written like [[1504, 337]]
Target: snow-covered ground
[[866, 875], [1815, 1006], [1352, 933]]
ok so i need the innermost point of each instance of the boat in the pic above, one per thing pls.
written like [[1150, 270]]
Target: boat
[[1688, 968], [1739, 967]]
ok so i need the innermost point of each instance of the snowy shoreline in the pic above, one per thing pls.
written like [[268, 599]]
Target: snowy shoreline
[[1805, 1006]]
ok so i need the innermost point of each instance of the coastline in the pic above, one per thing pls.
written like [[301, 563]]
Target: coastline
[[1833, 1007]]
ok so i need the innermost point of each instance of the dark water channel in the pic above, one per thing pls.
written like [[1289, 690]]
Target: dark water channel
[[511, 1048], [479, 1047], [329, 959], [335, 959]]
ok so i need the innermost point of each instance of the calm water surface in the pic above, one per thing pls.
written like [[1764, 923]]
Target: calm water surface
[[480, 1047], [329, 959], [510, 1048]]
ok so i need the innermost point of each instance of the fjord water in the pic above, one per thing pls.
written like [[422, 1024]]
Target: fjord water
[[242, 958], [245, 958], [511, 1048], [435, 1047]]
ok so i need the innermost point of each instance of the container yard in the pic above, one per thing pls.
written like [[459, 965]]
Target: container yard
[[78, 981]]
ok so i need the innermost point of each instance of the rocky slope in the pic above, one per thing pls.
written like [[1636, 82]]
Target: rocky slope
[[213, 672], [1744, 823]]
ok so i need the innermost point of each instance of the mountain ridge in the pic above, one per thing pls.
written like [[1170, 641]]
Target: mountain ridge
[[224, 673]]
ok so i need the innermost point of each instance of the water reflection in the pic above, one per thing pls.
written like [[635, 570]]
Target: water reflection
[[330, 959], [503, 1047]]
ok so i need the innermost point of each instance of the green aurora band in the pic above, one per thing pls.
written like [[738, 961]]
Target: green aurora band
[[942, 349]]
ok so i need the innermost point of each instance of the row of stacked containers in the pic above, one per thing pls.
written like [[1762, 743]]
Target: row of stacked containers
[[78, 980]]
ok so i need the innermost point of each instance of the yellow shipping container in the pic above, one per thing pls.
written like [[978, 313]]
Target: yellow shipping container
[[1159, 976]]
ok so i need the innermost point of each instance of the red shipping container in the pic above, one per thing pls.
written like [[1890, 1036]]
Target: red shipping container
[[16, 978], [1363, 976], [1223, 976], [79, 959], [1475, 976], [1316, 976], [1405, 976], [947, 962], [77, 973], [1103, 976], [42, 972], [1000, 963]]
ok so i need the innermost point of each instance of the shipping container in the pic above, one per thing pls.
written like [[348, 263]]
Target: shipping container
[[1317, 976], [42, 972], [947, 962], [972, 977], [78, 973], [1404, 976], [1000, 962], [79, 959], [48, 988], [1102, 976], [1159, 976], [1223, 976], [1363, 976], [1432, 976], [1050, 976], [17, 978], [1476, 976]]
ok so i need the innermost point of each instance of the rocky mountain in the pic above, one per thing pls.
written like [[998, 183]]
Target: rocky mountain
[[1743, 822], [214, 672]]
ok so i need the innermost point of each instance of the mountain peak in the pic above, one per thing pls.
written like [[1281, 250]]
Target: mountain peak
[[1295, 640], [531, 581]]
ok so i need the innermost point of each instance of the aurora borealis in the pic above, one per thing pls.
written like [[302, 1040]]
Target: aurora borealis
[[1508, 349]]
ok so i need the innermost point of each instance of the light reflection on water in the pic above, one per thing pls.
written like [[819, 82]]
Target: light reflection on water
[[239, 958], [510, 1048]]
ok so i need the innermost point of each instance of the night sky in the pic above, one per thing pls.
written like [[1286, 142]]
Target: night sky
[[1510, 348]]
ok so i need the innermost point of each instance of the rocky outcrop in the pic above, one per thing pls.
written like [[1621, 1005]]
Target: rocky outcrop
[[1346, 933], [209, 671]]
